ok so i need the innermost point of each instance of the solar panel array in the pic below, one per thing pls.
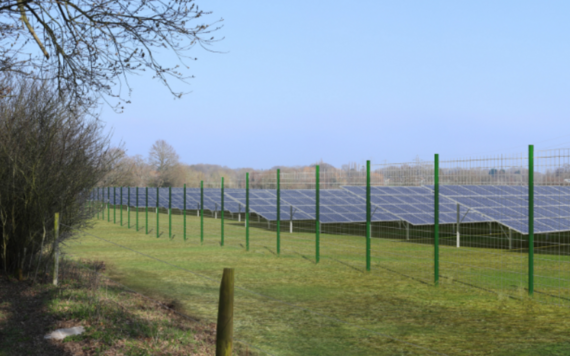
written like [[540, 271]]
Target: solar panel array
[[336, 205], [507, 205], [212, 199], [415, 205]]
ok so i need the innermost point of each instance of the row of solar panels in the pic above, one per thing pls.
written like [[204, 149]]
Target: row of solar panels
[[336, 205], [507, 205]]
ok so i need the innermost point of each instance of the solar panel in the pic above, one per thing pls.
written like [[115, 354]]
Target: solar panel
[[264, 203], [508, 205], [416, 205], [336, 205]]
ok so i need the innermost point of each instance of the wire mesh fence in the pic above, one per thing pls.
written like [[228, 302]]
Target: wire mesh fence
[[551, 251], [495, 225], [499, 223], [483, 241]]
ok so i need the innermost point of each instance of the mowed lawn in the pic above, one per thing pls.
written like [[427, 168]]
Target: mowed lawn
[[290, 305]]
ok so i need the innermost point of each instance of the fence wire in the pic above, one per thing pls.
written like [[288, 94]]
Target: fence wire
[[483, 218], [502, 222]]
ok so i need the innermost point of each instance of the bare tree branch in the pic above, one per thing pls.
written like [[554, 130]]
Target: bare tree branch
[[91, 46]]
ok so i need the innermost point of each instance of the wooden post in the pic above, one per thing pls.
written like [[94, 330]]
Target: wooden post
[[225, 327], [56, 250]]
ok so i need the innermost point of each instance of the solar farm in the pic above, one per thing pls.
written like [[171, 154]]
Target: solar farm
[[483, 220], [480, 227], [507, 205]]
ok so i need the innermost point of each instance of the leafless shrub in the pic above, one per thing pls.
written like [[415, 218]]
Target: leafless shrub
[[52, 153]]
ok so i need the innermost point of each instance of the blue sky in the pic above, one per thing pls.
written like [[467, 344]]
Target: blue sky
[[345, 82]]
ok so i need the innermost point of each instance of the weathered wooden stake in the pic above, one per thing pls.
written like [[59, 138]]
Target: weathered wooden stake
[[225, 327]]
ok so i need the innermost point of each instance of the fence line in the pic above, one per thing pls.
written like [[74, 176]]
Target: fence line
[[503, 234]]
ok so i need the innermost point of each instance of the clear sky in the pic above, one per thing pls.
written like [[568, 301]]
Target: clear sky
[[344, 82]]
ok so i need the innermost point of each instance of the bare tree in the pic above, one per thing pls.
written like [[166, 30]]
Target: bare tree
[[141, 171], [91, 45], [120, 169], [126, 171], [164, 160]]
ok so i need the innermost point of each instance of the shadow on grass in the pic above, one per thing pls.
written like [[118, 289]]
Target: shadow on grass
[[270, 250], [24, 320], [346, 264], [116, 320], [404, 275], [305, 257]]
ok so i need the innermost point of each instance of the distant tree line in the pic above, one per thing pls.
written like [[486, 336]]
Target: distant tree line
[[162, 168]]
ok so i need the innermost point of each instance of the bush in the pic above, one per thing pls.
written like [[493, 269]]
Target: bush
[[51, 155]]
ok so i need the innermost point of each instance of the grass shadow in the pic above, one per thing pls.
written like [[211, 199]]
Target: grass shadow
[[271, 251], [305, 257], [346, 264], [24, 320]]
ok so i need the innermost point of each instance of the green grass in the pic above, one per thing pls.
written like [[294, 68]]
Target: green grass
[[353, 310], [116, 320]]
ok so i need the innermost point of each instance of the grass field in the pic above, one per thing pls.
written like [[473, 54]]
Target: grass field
[[289, 305]]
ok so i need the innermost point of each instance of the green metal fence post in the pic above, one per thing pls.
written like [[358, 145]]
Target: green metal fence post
[[278, 211], [169, 212], [146, 210], [114, 205], [530, 220], [102, 203], [157, 218], [184, 213], [137, 206], [108, 204], [222, 211], [317, 216], [128, 207], [436, 221], [247, 211], [201, 212], [121, 212], [368, 216], [98, 203]]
